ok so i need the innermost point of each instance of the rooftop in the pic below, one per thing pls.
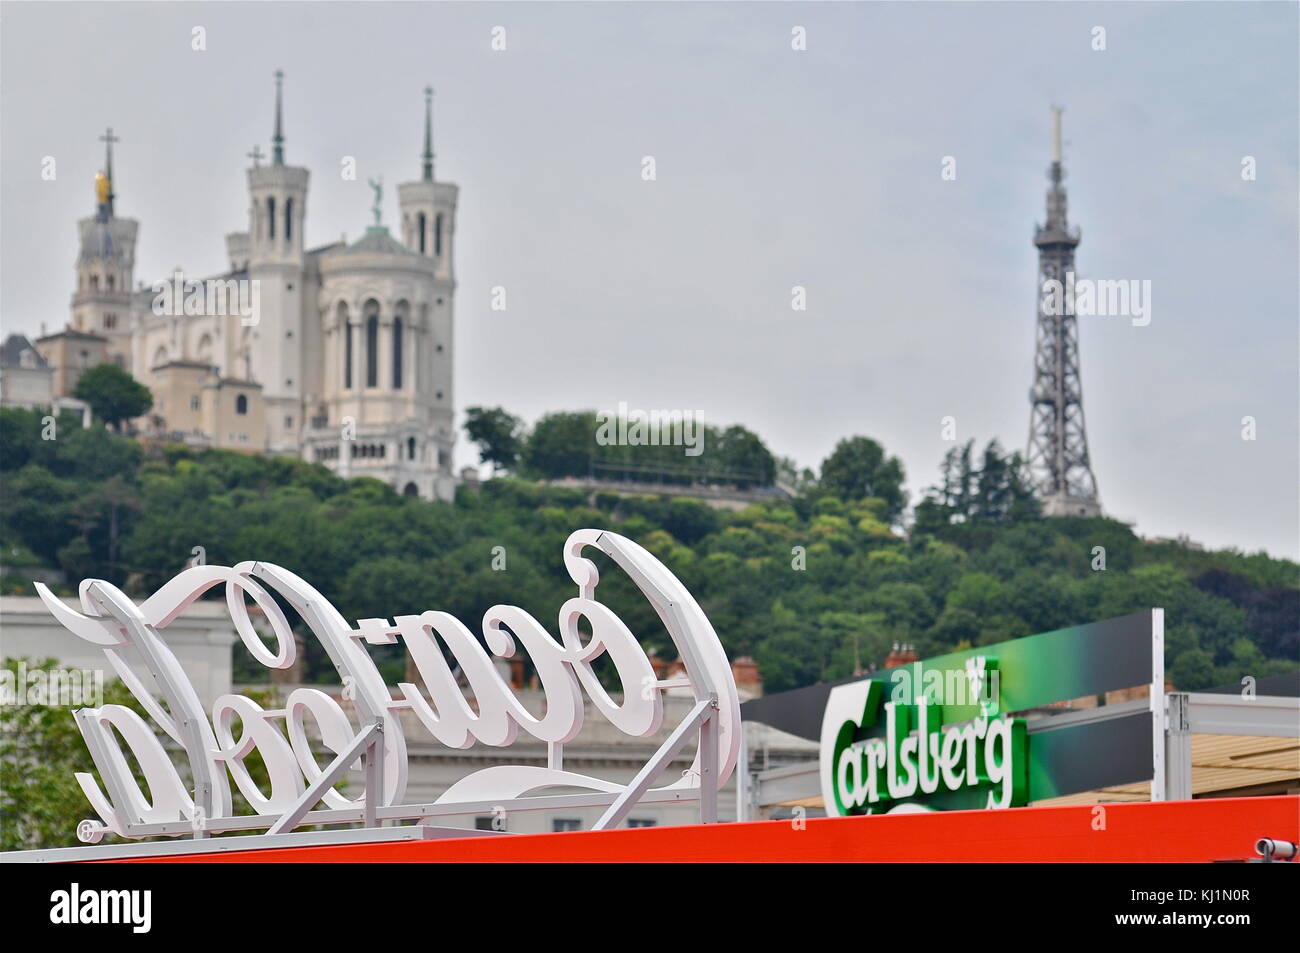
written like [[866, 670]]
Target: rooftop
[[13, 350]]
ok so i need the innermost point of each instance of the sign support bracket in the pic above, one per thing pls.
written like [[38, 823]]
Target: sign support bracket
[[701, 716], [370, 741]]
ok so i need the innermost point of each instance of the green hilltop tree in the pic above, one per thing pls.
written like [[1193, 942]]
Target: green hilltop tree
[[994, 489], [858, 468], [499, 436], [113, 394], [742, 453], [561, 444]]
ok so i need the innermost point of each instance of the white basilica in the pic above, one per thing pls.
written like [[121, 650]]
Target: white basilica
[[344, 357]]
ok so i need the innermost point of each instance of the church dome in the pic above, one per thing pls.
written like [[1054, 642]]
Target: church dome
[[376, 251], [377, 240]]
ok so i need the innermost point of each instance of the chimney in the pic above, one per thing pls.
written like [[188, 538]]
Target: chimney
[[745, 671], [749, 683], [903, 653]]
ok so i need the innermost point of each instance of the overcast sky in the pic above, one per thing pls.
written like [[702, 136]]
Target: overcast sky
[[775, 168]]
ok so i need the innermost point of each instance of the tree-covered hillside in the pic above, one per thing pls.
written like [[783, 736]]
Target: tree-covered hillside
[[801, 584]]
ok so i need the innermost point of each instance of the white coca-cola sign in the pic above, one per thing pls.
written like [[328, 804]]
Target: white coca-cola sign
[[217, 744]]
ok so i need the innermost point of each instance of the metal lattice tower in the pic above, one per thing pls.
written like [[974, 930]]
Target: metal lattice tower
[[1059, 465]]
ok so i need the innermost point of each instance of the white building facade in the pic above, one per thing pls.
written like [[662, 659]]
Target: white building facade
[[340, 354]]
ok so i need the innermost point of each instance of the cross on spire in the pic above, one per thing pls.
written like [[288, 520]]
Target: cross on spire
[[108, 139], [426, 171], [256, 155], [277, 140]]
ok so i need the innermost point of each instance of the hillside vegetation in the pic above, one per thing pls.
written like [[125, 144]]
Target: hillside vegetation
[[803, 585]]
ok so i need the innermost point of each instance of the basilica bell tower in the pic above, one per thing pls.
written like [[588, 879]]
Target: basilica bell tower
[[101, 303], [269, 349], [428, 210]]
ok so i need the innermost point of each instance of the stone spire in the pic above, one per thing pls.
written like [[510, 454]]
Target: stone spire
[[427, 170], [277, 140]]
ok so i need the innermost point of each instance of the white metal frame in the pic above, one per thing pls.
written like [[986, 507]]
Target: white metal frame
[[1159, 717], [225, 845]]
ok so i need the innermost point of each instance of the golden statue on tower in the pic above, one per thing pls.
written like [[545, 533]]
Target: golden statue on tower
[[104, 178]]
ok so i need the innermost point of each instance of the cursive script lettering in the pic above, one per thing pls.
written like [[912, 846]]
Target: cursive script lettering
[[218, 747]]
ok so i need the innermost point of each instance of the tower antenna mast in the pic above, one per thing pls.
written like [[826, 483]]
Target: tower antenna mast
[[1059, 466]]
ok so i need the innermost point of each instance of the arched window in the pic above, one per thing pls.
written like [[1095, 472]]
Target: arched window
[[270, 217], [423, 225], [401, 315], [288, 220], [411, 490], [203, 351], [160, 357], [397, 353], [241, 404], [110, 282], [410, 448], [372, 343], [437, 235], [94, 282], [345, 327]]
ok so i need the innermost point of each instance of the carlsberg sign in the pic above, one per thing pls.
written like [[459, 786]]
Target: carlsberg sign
[[914, 738]]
